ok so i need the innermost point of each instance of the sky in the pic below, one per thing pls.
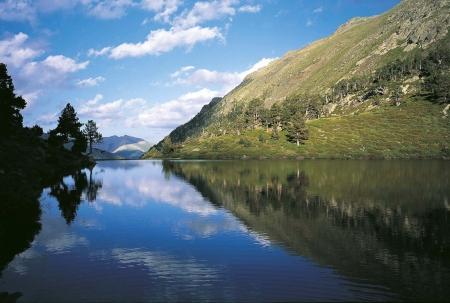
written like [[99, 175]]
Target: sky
[[143, 67]]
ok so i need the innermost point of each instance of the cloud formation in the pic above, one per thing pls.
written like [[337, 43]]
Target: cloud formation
[[185, 30], [164, 9], [108, 9], [188, 75], [90, 82], [206, 11], [162, 41], [139, 113], [250, 8], [30, 72]]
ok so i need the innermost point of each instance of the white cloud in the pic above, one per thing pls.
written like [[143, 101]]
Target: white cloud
[[110, 9], [53, 69], [30, 97], [28, 10], [258, 65], [183, 70], [250, 8], [30, 72], [90, 82], [161, 41], [13, 52], [205, 77], [164, 9], [63, 65], [118, 109], [185, 30], [138, 112], [206, 11], [17, 10], [95, 53], [227, 80], [47, 119], [175, 112], [95, 100], [309, 23], [318, 10]]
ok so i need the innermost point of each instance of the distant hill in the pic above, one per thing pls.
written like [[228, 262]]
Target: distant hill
[[99, 154], [126, 147], [368, 90]]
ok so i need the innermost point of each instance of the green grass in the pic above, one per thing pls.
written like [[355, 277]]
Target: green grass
[[415, 129]]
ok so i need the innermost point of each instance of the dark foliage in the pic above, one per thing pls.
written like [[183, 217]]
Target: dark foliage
[[10, 105]]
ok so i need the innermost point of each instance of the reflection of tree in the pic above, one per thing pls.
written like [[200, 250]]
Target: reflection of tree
[[333, 215], [19, 217], [93, 187], [70, 197]]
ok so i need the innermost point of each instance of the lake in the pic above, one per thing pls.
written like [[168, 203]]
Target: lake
[[309, 230]]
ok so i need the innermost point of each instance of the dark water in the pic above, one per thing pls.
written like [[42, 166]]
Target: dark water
[[236, 231]]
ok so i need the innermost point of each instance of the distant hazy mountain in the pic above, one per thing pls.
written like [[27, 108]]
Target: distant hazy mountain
[[133, 150], [127, 147]]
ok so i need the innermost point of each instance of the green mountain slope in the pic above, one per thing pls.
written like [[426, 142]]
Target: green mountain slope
[[370, 72]]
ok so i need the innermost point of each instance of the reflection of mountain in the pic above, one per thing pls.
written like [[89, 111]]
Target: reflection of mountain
[[385, 223]]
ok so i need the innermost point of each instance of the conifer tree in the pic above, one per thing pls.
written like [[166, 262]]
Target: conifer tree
[[92, 134], [10, 104], [296, 130]]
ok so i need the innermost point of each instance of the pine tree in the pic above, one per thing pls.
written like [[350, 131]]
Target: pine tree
[[69, 127], [68, 123], [438, 84], [253, 112], [92, 134], [296, 130], [275, 115], [10, 104]]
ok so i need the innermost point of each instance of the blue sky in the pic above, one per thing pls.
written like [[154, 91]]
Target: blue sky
[[142, 67]]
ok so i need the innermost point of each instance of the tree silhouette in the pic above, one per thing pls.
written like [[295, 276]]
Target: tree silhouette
[[69, 198], [92, 134], [10, 104], [69, 127], [93, 187]]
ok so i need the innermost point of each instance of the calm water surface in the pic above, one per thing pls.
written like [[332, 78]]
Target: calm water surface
[[232, 230]]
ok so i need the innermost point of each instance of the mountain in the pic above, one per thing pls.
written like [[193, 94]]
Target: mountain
[[126, 147], [378, 87], [99, 154], [132, 150]]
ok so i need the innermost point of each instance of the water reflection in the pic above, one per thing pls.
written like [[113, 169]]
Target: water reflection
[[69, 190], [232, 230], [386, 223]]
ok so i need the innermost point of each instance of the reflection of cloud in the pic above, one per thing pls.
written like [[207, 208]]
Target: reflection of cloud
[[176, 193], [65, 242], [165, 267], [18, 265], [145, 184], [207, 227], [55, 238], [141, 187]]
